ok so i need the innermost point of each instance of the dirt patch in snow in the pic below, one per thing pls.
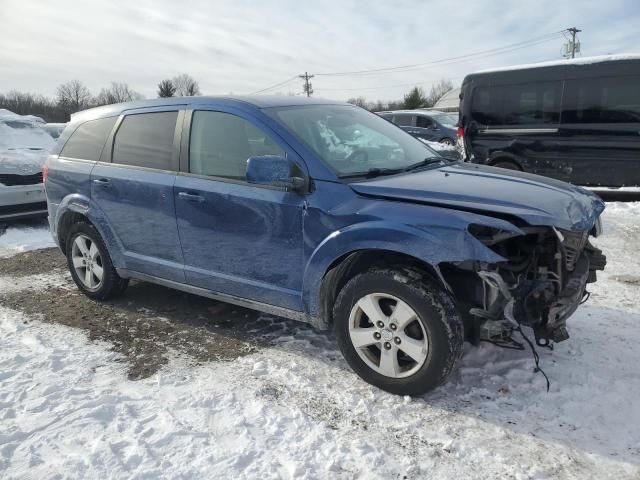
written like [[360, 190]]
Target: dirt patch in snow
[[33, 262], [147, 323]]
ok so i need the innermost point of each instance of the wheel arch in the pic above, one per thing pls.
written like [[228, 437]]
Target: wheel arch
[[353, 263], [500, 157], [79, 208]]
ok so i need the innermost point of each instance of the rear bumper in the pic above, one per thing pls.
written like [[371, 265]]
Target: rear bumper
[[22, 201]]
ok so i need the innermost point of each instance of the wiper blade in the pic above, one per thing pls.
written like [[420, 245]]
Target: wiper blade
[[374, 172], [424, 163]]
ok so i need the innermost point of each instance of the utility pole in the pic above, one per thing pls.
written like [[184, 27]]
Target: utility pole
[[572, 48], [308, 88]]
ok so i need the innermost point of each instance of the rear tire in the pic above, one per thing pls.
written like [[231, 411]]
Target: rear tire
[[90, 264], [412, 337]]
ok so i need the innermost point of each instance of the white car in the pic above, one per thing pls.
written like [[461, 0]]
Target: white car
[[24, 146]]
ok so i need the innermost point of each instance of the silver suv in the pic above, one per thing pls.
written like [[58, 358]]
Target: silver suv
[[24, 146]]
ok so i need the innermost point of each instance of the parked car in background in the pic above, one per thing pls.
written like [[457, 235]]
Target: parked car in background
[[321, 212], [574, 120], [429, 125], [24, 146]]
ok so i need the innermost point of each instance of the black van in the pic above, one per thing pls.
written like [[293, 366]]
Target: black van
[[574, 120]]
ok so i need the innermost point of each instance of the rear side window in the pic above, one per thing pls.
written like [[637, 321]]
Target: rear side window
[[532, 103], [403, 120], [220, 145], [522, 104], [423, 122], [88, 140], [146, 140], [602, 100]]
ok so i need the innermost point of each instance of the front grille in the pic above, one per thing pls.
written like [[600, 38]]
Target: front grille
[[573, 244], [11, 179]]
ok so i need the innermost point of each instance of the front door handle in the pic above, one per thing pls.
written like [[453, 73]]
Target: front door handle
[[190, 197], [102, 182]]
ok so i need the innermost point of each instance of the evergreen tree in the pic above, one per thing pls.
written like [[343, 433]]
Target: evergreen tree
[[166, 88], [415, 99]]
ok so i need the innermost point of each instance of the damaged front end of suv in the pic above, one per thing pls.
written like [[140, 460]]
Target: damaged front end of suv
[[540, 283]]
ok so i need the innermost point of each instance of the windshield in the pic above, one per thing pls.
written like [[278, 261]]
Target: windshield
[[351, 140], [447, 120]]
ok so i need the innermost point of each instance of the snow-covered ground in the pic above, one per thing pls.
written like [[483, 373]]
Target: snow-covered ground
[[67, 409], [21, 237]]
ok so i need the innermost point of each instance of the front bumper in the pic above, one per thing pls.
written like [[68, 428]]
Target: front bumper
[[22, 201], [560, 308]]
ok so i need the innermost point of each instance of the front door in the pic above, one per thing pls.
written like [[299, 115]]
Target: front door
[[134, 194], [238, 238]]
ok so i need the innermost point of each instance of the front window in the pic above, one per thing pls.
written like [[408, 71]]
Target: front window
[[351, 140]]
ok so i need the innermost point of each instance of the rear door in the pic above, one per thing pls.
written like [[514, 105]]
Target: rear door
[[601, 130], [134, 191], [406, 121], [239, 239]]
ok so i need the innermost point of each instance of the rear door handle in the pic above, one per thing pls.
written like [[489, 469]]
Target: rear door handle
[[190, 197], [102, 182]]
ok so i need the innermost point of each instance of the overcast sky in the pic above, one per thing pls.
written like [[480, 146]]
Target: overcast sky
[[241, 46]]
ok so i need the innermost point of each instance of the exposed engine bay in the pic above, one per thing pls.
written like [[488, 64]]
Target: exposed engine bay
[[540, 285]]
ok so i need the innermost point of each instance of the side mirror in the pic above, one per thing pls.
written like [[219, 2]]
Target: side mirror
[[275, 171]]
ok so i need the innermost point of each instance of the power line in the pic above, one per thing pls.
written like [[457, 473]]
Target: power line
[[433, 80], [404, 68], [275, 86], [491, 51], [410, 84]]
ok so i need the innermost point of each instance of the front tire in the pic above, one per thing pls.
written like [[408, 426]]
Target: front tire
[[398, 330], [90, 264]]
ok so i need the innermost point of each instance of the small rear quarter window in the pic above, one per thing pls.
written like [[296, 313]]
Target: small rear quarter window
[[88, 140]]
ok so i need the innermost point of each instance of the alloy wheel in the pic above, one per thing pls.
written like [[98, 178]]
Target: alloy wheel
[[87, 262], [387, 335]]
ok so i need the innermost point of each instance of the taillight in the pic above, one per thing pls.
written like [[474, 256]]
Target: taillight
[[45, 172], [460, 132]]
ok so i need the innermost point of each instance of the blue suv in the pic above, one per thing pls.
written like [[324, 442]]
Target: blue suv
[[325, 213]]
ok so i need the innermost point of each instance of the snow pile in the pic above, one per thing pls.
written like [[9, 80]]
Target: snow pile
[[22, 237], [295, 410], [437, 145], [23, 141], [24, 134], [9, 116]]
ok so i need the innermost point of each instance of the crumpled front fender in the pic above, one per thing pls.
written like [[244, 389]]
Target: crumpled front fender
[[444, 237]]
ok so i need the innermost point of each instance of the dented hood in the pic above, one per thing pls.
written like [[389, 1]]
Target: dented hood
[[536, 200]]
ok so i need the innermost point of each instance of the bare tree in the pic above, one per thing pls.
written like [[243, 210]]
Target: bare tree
[[73, 96], [166, 88], [33, 104], [437, 91], [116, 93], [186, 86], [359, 101]]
